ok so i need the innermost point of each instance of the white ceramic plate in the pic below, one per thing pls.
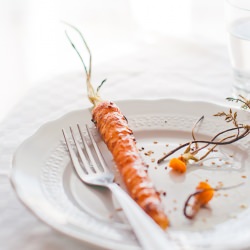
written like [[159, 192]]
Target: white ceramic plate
[[43, 178]]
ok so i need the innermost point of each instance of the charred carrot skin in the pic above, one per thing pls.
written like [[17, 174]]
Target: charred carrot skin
[[115, 132]]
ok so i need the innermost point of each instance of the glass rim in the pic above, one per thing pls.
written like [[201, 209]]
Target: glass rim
[[232, 3]]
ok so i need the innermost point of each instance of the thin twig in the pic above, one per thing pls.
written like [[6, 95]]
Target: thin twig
[[210, 150], [202, 191], [245, 133], [195, 125]]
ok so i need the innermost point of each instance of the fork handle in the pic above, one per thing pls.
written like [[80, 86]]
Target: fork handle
[[148, 233]]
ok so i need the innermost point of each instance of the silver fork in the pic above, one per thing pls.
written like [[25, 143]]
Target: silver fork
[[148, 233]]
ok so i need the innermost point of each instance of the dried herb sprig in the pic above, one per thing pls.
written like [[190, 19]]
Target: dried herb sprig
[[244, 133], [229, 117], [245, 102], [243, 130]]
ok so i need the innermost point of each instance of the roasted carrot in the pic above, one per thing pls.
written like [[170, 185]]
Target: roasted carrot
[[114, 129], [115, 132]]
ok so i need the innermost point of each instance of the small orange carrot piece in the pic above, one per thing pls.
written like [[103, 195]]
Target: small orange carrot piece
[[178, 165], [206, 195]]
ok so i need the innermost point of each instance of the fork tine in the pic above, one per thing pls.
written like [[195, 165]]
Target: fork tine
[[73, 157], [97, 150], [94, 165], [81, 154]]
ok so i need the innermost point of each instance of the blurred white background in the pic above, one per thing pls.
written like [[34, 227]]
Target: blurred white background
[[33, 46]]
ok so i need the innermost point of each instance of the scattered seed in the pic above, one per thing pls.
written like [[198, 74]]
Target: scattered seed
[[243, 206], [204, 220], [149, 153]]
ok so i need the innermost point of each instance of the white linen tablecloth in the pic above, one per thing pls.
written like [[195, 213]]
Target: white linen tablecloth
[[170, 68]]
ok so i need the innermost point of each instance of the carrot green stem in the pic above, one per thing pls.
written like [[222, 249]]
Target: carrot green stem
[[92, 93], [78, 53]]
